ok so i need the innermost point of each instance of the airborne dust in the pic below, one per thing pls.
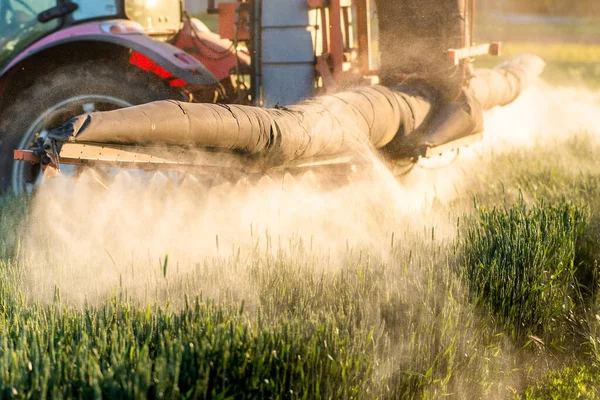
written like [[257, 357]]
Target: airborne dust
[[88, 241]]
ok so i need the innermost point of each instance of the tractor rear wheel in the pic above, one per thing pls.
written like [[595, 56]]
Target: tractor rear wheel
[[64, 93]]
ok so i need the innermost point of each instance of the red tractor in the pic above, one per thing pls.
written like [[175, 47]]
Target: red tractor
[[62, 58], [85, 59]]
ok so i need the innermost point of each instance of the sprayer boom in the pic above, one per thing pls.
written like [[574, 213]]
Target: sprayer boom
[[226, 164], [404, 122]]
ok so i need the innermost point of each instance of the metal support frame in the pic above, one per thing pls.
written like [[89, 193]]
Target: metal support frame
[[469, 49], [255, 48], [458, 55], [363, 29], [346, 29], [172, 159], [336, 39]]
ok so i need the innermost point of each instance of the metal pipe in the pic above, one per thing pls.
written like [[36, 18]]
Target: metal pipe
[[363, 33], [472, 12], [336, 44], [256, 51]]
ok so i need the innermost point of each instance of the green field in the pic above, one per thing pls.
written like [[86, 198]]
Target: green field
[[497, 298], [572, 51], [568, 64], [489, 289]]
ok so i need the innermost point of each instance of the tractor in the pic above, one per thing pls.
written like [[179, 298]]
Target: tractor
[[286, 85], [60, 58]]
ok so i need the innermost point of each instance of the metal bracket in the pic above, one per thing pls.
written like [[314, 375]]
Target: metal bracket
[[457, 55], [323, 68], [54, 155], [453, 145], [27, 156]]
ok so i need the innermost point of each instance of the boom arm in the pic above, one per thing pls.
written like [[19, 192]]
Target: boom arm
[[402, 122]]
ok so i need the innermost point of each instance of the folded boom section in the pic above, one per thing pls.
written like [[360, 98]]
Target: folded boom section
[[405, 121]]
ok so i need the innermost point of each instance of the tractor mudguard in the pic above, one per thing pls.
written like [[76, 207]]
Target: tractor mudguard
[[127, 34]]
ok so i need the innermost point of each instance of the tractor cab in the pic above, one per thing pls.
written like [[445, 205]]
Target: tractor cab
[[19, 25]]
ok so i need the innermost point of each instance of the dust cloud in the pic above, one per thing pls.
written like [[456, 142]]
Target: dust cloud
[[88, 240]]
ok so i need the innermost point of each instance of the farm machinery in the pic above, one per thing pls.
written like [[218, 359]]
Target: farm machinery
[[286, 86]]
